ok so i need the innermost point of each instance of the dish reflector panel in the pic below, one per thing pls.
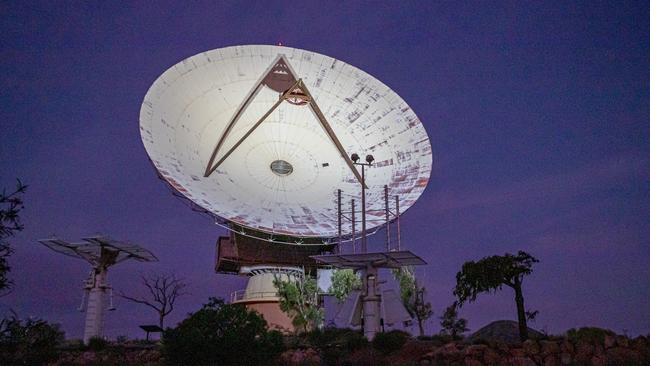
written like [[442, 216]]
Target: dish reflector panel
[[283, 177]]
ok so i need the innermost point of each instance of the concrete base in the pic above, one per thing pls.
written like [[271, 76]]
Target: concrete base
[[261, 295], [274, 316]]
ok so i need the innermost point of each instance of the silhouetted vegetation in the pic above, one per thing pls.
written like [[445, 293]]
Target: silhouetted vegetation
[[221, 334], [490, 274], [451, 324], [28, 342], [163, 290], [344, 281], [299, 300], [97, 344], [391, 341], [336, 344], [412, 295], [10, 206], [590, 335]]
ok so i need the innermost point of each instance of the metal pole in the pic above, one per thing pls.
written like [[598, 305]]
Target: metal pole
[[399, 236], [338, 247], [363, 209], [354, 244], [387, 219]]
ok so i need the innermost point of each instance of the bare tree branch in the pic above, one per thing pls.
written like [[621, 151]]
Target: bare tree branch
[[163, 291]]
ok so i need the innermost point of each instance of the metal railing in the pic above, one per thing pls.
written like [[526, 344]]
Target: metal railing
[[240, 295]]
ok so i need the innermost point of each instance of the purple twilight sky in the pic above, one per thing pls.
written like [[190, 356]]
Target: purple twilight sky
[[538, 115]]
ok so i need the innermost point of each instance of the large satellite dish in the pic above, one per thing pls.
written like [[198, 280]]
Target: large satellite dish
[[260, 136]]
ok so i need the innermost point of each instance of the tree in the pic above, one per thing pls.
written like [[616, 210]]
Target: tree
[[221, 334], [344, 281], [163, 289], [29, 342], [451, 324], [299, 299], [412, 295], [490, 274], [10, 206]]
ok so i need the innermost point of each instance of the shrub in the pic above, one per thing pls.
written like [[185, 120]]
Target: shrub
[[390, 341], [97, 344], [72, 345], [590, 335], [32, 342], [350, 338], [364, 357], [336, 343], [409, 354], [122, 339], [441, 339], [221, 334]]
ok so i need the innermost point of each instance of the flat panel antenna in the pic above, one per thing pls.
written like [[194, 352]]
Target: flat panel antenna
[[101, 252]]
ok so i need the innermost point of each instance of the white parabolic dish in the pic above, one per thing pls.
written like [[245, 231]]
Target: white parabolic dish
[[187, 109]]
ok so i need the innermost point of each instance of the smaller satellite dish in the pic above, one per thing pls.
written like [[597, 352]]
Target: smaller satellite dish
[[101, 252]]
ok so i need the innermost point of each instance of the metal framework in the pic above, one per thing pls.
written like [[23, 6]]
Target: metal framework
[[377, 260], [391, 216], [369, 302], [281, 78]]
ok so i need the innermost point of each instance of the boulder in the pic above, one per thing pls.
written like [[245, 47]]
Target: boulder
[[502, 347], [531, 347], [517, 352], [567, 347], [472, 362], [296, 357], [502, 330], [622, 341], [598, 361], [640, 343], [549, 347], [364, 357], [623, 356], [475, 351], [428, 356], [566, 359], [491, 357], [520, 361], [581, 359], [610, 341], [552, 360], [599, 350], [583, 353], [88, 357], [449, 351]]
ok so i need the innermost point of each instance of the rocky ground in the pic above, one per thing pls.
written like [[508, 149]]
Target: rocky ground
[[613, 350], [618, 350]]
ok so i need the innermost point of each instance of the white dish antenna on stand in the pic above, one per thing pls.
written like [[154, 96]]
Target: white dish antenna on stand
[[267, 140], [101, 252]]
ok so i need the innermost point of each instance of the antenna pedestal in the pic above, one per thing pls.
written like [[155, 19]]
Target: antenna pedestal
[[101, 252], [95, 307], [261, 294], [365, 308], [371, 302]]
